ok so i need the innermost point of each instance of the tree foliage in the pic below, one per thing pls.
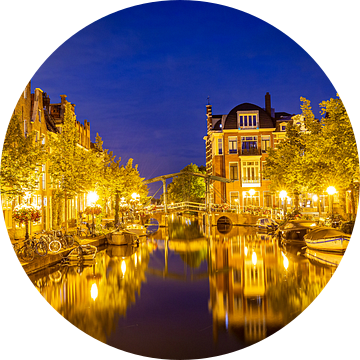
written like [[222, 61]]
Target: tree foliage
[[187, 187], [21, 160], [323, 154]]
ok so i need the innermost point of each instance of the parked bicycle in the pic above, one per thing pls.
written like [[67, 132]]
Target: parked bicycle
[[66, 240], [53, 244], [39, 246], [24, 252]]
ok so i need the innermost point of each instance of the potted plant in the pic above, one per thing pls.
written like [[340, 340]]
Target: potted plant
[[24, 213]]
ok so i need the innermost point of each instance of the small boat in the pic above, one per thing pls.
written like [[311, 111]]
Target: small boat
[[266, 224], [82, 253], [138, 229], [327, 239], [123, 237], [294, 231]]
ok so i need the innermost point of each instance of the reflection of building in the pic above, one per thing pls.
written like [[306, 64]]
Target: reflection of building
[[253, 291], [237, 145]]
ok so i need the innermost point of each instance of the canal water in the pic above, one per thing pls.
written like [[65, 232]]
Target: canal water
[[185, 293]]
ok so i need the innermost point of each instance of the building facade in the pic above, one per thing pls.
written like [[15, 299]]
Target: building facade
[[37, 114], [237, 145]]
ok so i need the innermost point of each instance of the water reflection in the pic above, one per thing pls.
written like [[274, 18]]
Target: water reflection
[[185, 298]]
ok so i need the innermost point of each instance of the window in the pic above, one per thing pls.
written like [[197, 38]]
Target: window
[[39, 115], [25, 94], [283, 127], [232, 145], [249, 145], [234, 198], [234, 173], [220, 146], [265, 143], [250, 172], [248, 121]]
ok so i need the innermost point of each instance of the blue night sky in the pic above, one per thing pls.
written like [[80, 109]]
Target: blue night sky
[[142, 76]]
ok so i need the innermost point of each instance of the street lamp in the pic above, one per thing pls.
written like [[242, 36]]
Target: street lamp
[[252, 193], [283, 197], [92, 198], [331, 191], [135, 198]]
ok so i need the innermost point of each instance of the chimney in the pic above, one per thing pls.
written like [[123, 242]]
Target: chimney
[[268, 103]]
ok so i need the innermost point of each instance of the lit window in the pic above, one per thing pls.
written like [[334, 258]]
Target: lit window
[[232, 144], [248, 121], [250, 172], [265, 143], [220, 147]]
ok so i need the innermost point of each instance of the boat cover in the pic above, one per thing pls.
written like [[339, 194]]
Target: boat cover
[[325, 233]]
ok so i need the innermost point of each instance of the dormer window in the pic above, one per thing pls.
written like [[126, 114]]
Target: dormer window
[[283, 127], [248, 120]]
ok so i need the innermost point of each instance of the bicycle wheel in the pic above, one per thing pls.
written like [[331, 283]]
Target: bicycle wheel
[[55, 246], [69, 240], [41, 248], [26, 253]]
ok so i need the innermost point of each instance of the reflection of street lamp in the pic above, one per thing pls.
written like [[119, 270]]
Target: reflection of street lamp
[[331, 191], [283, 197]]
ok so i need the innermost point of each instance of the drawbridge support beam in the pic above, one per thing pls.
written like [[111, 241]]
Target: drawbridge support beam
[[206, 177]]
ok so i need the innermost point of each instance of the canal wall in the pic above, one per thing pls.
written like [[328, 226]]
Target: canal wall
[[41, 262]]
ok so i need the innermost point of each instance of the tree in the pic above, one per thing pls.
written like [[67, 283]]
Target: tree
[[283, 165], [71, 167], [21, 161], [187, 187]]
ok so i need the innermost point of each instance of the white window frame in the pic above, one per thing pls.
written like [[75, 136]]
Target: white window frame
[[233, 140], [255, 175], [220, 141], [264, 140], [245, 118]]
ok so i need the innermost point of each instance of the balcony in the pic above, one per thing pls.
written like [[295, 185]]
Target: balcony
[[247, 152], [250, 182]]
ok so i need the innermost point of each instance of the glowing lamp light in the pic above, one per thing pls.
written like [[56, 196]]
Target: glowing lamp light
[[331, 190], [135, 196], [315, 198], [283, 194], [252, 192], [93, 197]]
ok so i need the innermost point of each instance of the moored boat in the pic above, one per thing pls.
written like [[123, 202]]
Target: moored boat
[[294, 231], [327, 239], [135, 228], [123, 237], [82, 253], [266, 224]]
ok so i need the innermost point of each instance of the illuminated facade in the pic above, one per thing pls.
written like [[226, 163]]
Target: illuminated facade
[[37, 114], [237, 145]]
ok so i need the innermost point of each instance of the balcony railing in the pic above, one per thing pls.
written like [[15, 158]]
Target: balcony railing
[[253, 180], [249, 152]]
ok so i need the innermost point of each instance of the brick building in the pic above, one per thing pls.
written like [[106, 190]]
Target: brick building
[[38, 114], [237, 145]]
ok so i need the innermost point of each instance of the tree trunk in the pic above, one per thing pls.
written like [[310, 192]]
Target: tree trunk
[[66, 213], [117, 207], [296, 200]]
